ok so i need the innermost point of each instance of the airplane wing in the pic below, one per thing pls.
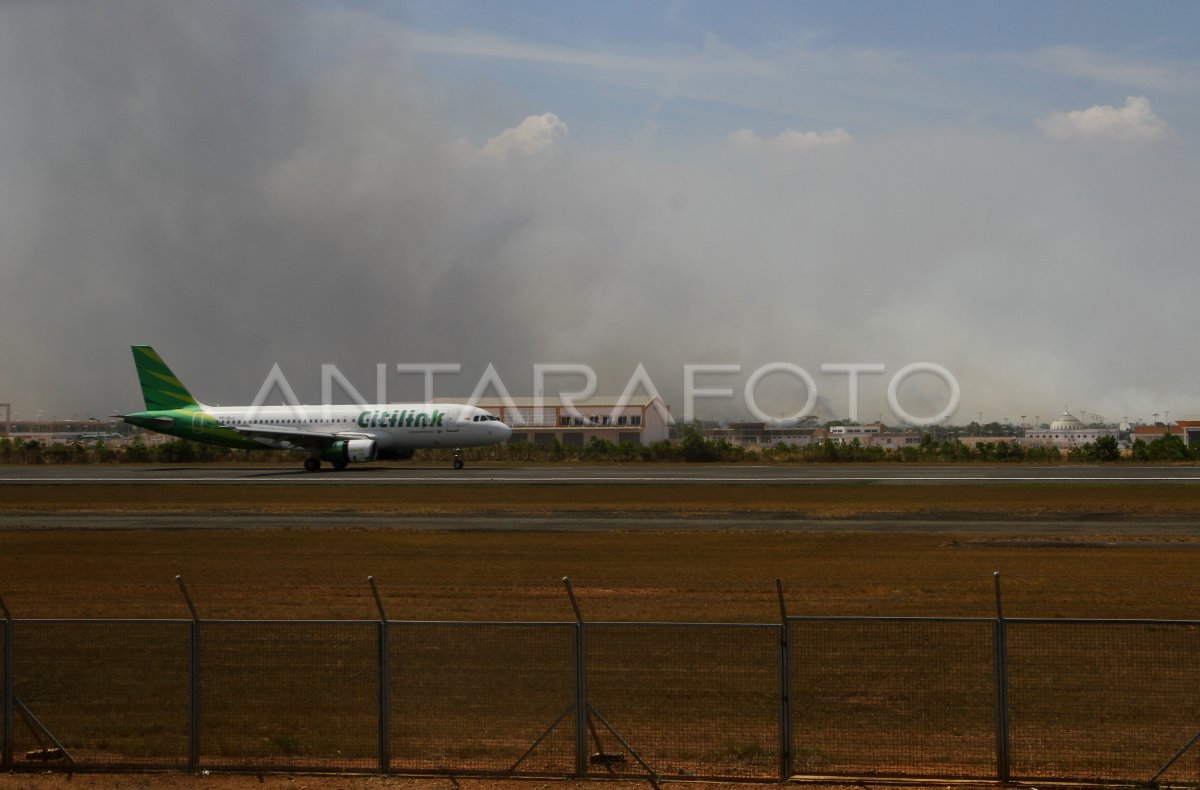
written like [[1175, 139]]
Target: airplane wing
[[293, 439]]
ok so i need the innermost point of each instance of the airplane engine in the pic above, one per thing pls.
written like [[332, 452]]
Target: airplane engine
[[353, 451], [360, 451]]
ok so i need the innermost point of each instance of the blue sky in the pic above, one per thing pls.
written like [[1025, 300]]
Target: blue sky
[[704, 69], [1007, 190], [935, 27]]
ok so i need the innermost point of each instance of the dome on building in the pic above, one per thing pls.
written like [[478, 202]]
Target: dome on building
[[1067, 422]]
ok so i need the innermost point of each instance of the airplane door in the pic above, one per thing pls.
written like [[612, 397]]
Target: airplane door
[[451, 422], [197, 422]]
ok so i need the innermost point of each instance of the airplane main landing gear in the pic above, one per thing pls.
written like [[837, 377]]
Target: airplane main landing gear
[[458, 459], [312, 464]]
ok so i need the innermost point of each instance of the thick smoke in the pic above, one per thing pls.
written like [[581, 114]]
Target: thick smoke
[[241, 184]]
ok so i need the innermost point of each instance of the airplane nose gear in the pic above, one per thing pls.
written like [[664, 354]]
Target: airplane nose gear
[[458, 459]]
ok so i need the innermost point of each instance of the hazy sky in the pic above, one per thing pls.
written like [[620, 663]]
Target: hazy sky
[[1008, 190]]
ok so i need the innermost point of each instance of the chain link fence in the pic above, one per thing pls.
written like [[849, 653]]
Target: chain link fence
[[490, 698], [684, 700], [1104, 699], [1095, 700], [288, 695], [902, 697]]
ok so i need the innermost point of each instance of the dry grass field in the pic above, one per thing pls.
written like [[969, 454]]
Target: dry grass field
[[637, 573], [628, 575], [845, 500]]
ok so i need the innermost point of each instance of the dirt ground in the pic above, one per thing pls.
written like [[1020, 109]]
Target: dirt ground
[[181, 781]]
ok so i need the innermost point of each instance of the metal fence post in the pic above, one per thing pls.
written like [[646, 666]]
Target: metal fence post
[[385, 757], [1000, 667], [785, 689], [6, 761], [581, 712], [193, 679]]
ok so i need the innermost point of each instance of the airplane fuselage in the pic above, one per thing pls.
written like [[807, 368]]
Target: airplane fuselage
[[392, 427]]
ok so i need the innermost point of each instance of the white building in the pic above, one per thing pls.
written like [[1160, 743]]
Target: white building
[[1067, 432]]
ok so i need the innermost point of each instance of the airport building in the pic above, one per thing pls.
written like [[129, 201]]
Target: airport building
[[1188, 430], [1191, 431], [69, 431], [642, 421], [757, 434], [870, 434], [1067, 432]]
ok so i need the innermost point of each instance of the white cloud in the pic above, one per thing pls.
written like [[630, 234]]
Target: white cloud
[[1136, 122], [790, 139], [536, 136]]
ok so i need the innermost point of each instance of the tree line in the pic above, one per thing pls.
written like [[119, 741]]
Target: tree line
[[691, 447], [179, 451]]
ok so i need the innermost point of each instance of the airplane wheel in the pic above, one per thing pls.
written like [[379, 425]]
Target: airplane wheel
[[339, 465], [458, 463], [312, 464]]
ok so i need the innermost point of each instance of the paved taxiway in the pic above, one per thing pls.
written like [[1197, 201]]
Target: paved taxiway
[[1176, 529], [626, 475], [1180, 533]]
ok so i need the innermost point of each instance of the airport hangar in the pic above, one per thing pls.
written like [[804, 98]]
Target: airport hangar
[[642, 420]]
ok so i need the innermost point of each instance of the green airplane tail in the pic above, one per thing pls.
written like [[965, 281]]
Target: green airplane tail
[[160, 387]]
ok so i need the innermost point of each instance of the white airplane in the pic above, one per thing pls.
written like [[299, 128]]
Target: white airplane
[[341, 435]]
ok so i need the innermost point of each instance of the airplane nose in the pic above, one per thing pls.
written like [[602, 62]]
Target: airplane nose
[[505, 431]]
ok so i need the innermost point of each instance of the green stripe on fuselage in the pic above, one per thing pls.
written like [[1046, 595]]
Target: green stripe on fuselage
[[191, 424]]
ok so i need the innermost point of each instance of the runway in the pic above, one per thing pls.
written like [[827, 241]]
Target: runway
[[375, 475], [1181, 533]]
